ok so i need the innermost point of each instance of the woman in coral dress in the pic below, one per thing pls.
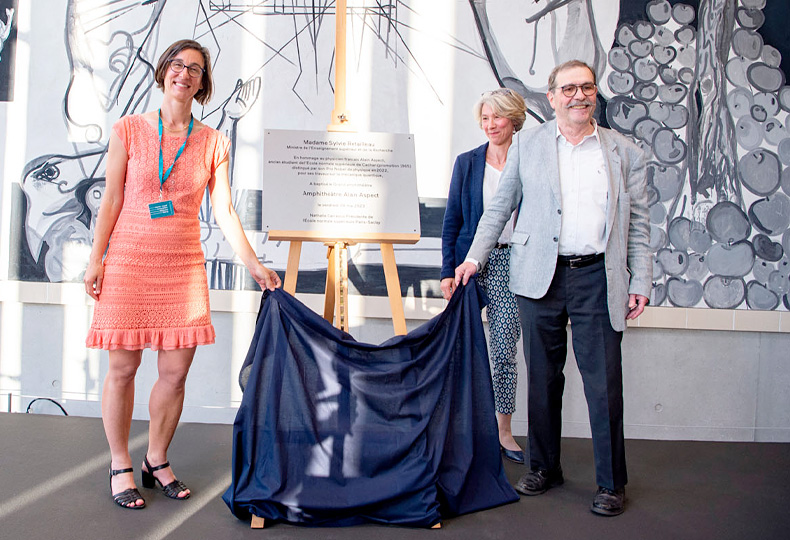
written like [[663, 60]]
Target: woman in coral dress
[[146, 270]]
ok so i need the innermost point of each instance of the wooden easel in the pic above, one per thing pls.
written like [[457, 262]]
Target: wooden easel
[[336, 292]]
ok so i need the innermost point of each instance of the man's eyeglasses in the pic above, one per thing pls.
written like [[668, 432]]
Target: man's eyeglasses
[[194, 70], [569, 90]]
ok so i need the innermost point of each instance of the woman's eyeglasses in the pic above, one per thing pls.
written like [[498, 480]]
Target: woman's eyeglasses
[[194, 70], [569, 90]]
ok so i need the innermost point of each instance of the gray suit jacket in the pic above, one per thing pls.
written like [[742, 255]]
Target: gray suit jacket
[[531, 180]]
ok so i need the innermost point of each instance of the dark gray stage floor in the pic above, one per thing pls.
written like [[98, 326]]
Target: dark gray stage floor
[[53, 484]]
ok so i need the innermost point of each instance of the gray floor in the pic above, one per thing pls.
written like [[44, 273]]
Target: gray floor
[[53, 484]]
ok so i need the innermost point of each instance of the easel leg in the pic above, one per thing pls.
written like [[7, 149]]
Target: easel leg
[[292, 270], [341, 287], [329, 292], [393, 289]]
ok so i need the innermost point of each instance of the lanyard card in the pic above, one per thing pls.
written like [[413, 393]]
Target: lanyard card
[[161, 209], [165, 208]]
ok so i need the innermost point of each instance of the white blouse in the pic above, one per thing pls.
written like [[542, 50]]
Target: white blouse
[[490, 185]]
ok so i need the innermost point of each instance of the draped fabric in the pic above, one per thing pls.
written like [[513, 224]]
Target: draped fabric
[[335, 432]]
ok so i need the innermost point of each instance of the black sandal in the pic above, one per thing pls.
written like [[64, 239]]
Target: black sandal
[[128, 496], [171, 490]]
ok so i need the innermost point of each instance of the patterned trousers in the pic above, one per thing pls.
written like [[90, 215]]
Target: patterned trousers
[[504, 328]]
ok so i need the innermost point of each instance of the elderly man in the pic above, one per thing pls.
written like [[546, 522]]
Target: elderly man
[[579, 251]]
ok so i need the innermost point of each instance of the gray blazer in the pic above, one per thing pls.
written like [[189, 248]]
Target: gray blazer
[[530, 180]]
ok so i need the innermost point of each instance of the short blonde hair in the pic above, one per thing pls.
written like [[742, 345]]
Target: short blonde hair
[[504, 102], [204, 94]]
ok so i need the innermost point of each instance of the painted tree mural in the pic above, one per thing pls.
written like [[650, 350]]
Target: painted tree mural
[[700, 85], [702, 93]]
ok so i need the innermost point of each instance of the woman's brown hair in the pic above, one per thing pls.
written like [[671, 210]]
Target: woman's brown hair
[[203, 95]]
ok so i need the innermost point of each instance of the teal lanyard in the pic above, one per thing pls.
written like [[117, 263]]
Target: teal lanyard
[[164, 175]]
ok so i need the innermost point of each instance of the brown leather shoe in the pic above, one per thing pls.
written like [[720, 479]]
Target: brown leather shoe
[[537, 482], [608, 503]]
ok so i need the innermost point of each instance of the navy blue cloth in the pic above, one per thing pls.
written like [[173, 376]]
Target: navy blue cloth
[[464, 208], [334, 432]]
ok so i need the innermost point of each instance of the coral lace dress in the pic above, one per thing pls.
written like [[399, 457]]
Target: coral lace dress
[[155, 292]]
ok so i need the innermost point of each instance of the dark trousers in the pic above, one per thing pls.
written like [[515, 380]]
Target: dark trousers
[[578, 294]]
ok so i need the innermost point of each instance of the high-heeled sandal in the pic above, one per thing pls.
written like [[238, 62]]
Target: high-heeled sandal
[[128, 496], [171, 490]]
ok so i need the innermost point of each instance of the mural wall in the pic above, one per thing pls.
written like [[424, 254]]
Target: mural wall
[[7, 46], [700, 86]]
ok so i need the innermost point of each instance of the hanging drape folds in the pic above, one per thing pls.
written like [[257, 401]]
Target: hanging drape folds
[[335, 432]]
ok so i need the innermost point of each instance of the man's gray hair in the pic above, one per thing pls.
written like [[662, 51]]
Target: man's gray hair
[[568, 65]]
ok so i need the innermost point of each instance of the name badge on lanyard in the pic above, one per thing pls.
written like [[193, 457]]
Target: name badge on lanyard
[[161, 209], [165, 208]]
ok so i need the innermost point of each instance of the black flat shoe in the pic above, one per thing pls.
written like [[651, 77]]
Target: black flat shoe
[[127, 497], [171, 490], [516, 456], [608, 502], [537, 482]]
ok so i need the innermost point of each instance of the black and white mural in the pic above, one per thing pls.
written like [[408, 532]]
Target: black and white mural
[[111, 48], [699, 85], [702, 89], [8, 10]]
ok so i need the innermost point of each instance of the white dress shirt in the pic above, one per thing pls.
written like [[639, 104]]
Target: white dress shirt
[[490, 184], [584, 188]]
